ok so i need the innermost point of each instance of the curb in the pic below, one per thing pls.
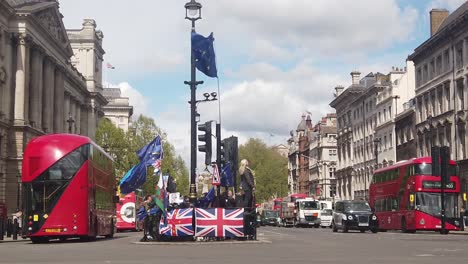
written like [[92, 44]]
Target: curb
[[229, 242]]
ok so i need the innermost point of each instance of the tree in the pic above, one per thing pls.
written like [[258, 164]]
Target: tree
[[123, 146], [271, 172]]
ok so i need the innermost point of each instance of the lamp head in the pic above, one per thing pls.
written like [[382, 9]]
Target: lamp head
[[193, 10]]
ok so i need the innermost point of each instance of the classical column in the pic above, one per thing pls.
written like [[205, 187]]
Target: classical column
[[84, 120], [48, 96], [73, 114], [66, 111], [78, 118], [35, 102], [21, 77], [59, 97]]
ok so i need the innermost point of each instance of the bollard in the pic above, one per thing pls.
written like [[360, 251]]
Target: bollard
[[15, 229], [8, 228], [2, 231]]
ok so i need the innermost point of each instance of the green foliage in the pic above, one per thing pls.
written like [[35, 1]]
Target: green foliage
[[271, 169], [123, 146]]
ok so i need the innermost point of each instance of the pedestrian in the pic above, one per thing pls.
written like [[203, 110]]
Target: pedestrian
[[465, 216], [247, 184], [228, 200], [148, 224]]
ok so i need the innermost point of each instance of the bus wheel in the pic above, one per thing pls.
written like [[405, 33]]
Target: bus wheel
[[444, 232], [374, 230], [403, 225], [39, 240]]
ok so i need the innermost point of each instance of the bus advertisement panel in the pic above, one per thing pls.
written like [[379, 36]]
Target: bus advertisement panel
[[126, 212], [406, 197], [68, 189]]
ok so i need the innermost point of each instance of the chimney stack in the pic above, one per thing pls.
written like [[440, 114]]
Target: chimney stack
[[355, 77], [437, 17], [339, 89]]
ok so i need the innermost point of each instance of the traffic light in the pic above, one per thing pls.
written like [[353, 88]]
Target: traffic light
[[207, 139], [229, 154]]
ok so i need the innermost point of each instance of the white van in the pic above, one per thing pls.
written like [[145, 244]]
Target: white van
[[326, 216]]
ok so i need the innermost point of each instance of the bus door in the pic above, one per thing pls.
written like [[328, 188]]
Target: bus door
[[92, 217]]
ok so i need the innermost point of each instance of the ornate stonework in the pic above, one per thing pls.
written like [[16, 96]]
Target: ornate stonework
[[49, 20]]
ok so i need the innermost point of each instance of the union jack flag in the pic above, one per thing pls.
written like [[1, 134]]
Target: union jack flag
[[179, 223], [157, 165], [219, 222]]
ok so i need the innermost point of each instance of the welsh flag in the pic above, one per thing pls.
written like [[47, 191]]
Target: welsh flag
[[160, 194]]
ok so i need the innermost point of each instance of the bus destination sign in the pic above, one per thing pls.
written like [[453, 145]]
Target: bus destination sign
[[437, 184]]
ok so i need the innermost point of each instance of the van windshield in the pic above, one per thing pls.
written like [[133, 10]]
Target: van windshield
[[308, 205]]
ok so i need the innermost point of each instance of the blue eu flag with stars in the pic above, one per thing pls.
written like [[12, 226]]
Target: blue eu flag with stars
[[203, 51], [151, 152]]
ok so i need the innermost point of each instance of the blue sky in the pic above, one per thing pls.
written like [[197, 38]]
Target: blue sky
[[276, 59]]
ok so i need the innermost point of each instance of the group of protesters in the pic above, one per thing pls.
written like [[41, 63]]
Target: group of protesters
[[244, 198]]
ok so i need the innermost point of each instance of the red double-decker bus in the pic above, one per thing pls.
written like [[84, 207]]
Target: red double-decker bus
[[127, 211], [406, 197], [277, 204], [68, 189]]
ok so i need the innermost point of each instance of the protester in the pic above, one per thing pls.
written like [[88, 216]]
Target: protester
[[228, 200], [148, 223], [247, 184]]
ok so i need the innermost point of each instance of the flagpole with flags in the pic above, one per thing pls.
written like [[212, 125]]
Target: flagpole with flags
[[109, 67]]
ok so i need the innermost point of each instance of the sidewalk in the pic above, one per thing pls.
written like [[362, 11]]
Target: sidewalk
[[10, 239]]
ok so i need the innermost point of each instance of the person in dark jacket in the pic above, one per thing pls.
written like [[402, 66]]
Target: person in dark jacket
[[247, 184], [148, 224], [228, 200]]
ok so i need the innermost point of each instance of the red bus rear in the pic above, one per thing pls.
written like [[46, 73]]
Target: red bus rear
[[406, 197], [126, 212], [277, 204], [69, 189]]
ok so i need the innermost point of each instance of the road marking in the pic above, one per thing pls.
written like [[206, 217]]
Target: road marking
[[425, 255]]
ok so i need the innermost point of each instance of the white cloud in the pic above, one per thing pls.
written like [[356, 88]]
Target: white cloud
[[137, 100], [273, 51]]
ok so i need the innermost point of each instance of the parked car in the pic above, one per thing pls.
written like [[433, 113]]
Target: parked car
[[326, 216], [270, 217], [354, 215]]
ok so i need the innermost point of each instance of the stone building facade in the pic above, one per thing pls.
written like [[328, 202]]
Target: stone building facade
[[323, 158], [441, 99], [40, 89], [366, 138], [405, 131], [298, 159], [118, 110]]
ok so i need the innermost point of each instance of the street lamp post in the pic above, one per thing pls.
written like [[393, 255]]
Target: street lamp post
[[193, 13], [376, 154], [18, 192]]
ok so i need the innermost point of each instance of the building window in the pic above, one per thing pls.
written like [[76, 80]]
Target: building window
[[446, 60], [391, 140], [418, 77], [332, 152], [384, 114], [438, 66], [425, 74], [385, 142], [447, 97], [461, 95], [431, 69], [390, 111], [459, 55], [439, 99]]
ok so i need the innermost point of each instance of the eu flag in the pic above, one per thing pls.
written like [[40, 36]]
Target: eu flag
[[203, 51], [152, 152], [133, 179], [226, 176]]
